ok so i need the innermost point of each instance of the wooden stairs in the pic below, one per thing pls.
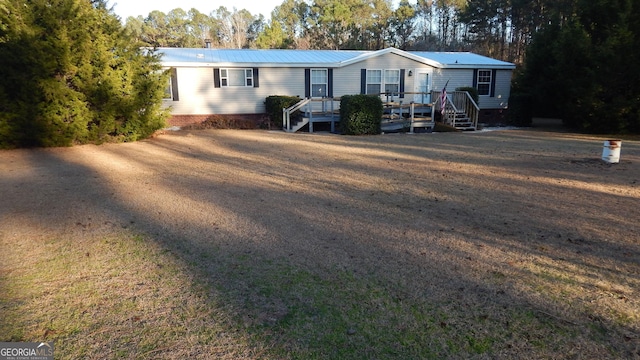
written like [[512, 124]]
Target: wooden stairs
[[458, 109], [310, 112]]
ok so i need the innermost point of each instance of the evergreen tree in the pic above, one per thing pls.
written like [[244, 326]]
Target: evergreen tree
[[581, 68], [70, 75]]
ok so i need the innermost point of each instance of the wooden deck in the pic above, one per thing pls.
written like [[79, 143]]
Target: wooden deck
[[399, 116]]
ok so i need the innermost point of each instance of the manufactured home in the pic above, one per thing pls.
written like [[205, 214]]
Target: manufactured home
[[206, 81]]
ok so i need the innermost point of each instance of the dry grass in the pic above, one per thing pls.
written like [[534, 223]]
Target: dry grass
[[226, 122], [254, 244]]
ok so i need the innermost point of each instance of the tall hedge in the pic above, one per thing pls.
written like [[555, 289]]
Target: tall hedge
[[70, 75], [360, 114]]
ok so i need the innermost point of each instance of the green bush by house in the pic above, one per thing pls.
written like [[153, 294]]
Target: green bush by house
[[360, 114], [274, 105]]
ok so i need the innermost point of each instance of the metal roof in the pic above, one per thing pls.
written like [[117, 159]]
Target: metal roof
[[314, 58], [462, 59], [253, 57]]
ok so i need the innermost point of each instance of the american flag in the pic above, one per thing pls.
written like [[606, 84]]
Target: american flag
[[443, 97]]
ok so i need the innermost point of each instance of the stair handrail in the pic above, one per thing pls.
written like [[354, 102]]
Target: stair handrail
[[457, 102], [449, 113], [286, 112], [472, 109]]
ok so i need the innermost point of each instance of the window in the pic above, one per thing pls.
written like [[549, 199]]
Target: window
[[171, 88], [374, 81], [484, 82], [319, 82], [382, 81], [236, 77], [168, 90], [392, 81]]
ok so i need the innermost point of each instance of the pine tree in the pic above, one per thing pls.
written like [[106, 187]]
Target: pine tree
[[71, 76]]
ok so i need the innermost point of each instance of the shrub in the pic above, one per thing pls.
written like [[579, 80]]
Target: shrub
[[71, 75], [223, 122], [360, 114], [274, 105]]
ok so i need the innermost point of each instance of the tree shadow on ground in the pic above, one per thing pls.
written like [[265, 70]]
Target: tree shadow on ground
[[278, 235]]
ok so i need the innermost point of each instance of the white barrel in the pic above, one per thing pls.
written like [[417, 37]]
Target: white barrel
[[611, 151]]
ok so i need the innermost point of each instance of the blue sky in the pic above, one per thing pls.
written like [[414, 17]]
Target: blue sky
[[126, 8]]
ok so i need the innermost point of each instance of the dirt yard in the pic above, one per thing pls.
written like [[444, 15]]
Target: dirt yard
[[476, 227]]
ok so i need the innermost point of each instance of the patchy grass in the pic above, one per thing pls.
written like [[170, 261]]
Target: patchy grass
[[121, 296], [127, 296]]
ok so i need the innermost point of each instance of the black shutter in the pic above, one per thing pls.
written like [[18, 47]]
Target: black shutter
[[493, 82], [174, 84], [307, 83], [475, 78], [363, 81], [401, 83], [216, 77], [256, 82], [330, 83]]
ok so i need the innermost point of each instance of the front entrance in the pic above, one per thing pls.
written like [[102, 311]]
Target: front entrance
[[422, 86]]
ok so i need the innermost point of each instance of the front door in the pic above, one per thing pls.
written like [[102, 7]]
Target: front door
[[422, 86]]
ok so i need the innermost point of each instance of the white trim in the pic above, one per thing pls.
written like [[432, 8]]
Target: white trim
[[245, 71], [416, 84], [384, 79], [366, 82], [484, 82], [311, 83]]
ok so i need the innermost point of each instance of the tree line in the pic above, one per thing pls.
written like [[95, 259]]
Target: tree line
[[498, 28]]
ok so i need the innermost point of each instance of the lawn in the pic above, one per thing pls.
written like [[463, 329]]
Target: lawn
[[233, 244]]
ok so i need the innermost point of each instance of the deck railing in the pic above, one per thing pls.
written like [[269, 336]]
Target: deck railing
[[456, 102], [286, 113], [324, 109]]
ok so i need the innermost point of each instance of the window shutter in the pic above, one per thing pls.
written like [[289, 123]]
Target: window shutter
[[256, 82], [307, 83], [216, 77], [475, 78], [493, 82], [363, 81], [174, 84], [401, 83], [330, 83]]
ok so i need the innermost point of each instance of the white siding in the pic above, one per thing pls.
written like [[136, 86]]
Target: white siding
[[199, 96], [464, 78], [455, 77], [347, 80], [503, 91]]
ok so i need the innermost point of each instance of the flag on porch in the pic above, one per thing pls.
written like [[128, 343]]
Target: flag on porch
[[443, 97]]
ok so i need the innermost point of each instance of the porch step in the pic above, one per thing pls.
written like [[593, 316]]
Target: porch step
[[299, 125]]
